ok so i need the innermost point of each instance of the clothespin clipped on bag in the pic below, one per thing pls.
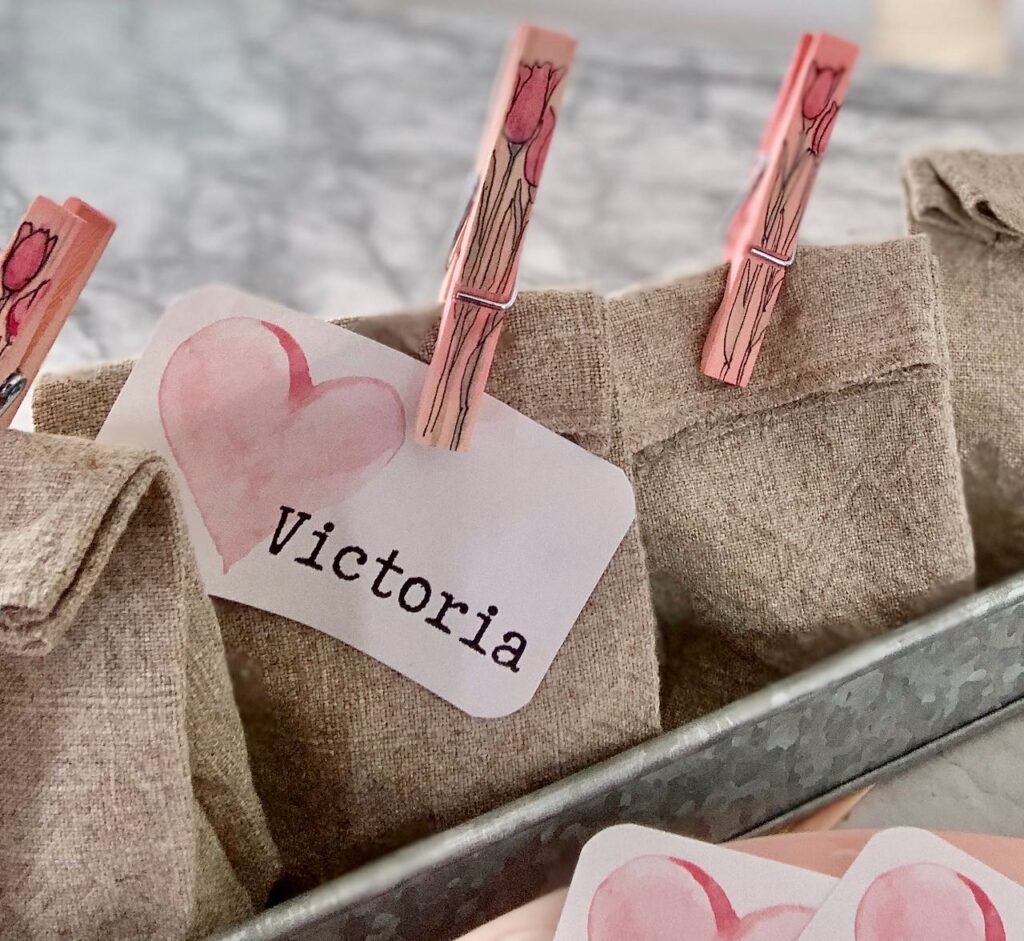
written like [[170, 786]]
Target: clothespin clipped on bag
[[42, 272], [479, 284], [761, 244]]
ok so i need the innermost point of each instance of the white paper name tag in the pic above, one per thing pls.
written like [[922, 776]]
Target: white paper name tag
[[306, 496]]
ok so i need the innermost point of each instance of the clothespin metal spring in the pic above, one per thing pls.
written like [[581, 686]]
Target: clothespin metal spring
[[10, 389]]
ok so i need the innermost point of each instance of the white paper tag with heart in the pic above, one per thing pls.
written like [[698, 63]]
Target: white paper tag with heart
[[307, 496], [636, 883]]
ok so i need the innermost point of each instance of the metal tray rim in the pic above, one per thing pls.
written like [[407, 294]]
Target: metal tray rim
[[380, 876]]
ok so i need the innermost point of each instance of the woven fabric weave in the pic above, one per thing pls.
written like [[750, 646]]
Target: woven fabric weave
[[820, 505], [352, 759], [127, 808], [971, 207]]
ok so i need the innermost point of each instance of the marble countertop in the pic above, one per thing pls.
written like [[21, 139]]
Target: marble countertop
[[317, 152]]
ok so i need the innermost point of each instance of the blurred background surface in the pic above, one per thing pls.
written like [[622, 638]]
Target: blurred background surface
[[954, 35], [317, 151]]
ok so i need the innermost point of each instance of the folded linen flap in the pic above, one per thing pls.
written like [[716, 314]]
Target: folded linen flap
[[971, 206], [58, 531], [974, 194], [128, 808], [820, 505]]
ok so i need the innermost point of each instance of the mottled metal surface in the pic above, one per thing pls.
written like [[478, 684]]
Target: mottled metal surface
[[837, 726]]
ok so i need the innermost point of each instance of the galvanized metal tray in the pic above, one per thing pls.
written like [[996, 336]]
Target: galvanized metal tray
[[747, 768]]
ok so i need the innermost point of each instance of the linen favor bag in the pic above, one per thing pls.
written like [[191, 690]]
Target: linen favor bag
[[352, 759], [971, 206], [127, 809], [818, 506]]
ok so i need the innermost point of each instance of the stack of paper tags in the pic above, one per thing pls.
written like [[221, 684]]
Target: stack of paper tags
[[906, 885]]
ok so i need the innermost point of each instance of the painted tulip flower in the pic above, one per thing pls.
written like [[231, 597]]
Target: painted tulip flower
[[823, 130], [819, 90], [534, 87], [31, 250], [22, 308], [537, 152]]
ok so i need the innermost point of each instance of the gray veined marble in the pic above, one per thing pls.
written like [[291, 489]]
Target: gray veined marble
[[316, 152]]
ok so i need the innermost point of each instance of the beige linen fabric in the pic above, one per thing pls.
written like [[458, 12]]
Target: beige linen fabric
[[971, 206], [127, 809], [820, 505], [350, 758]]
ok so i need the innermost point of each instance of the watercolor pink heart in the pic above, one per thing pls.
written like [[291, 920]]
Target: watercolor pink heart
[[927, 902], [252, 432], [661, 898]]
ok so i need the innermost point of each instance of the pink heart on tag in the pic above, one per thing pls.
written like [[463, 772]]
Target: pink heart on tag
[[927, 902], [252, 433], [782, 923], [659, 898]]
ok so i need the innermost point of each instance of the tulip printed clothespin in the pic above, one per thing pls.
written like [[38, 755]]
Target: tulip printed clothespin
[[480, 279], [762, 239], [43, 270]]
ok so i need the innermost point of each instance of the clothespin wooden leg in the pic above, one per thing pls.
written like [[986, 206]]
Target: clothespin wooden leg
[[44, 268], [479, 284], [458, 373], [762, 241]]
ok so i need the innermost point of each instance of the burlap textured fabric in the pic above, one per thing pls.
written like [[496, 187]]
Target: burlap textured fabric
[[819, 506], [127, 809], [350, 758], [971, 206]]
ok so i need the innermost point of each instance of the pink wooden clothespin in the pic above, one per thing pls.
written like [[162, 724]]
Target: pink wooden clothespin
[[762, 238], [43, 270], [480, 280]]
